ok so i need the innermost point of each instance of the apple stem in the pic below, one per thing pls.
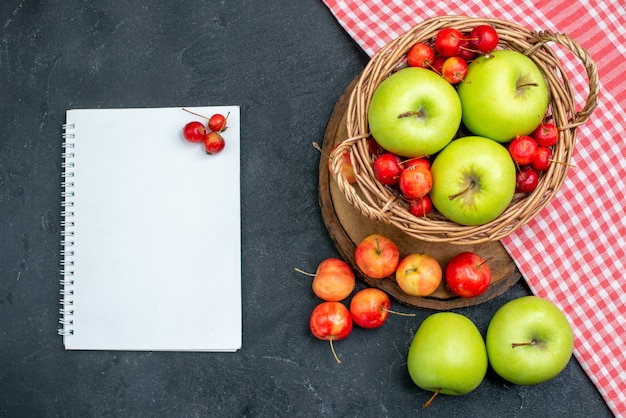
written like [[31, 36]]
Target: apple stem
[[533, 342], [194, 113], [409, 114], [398, 313], [432, 398], [527, 85], [332, 348], [454, 196], [306, 273]]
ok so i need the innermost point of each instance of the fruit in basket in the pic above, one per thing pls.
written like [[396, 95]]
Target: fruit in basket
[[523, 149], [483, 38], [448, 42], [420, 55], [526, 180], [347, 170], [447, 355], [454, 70], [331, 321], [529, 340], [503, 95], [415, 182], [546, 134], [377, 256], [414, 112], [334, 280], [467, 274], [473, 180], [387, 169], [421, 206], [418, 274], [542, 160]]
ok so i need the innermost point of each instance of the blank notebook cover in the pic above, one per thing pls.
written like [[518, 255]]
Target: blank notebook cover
[[151, 248]]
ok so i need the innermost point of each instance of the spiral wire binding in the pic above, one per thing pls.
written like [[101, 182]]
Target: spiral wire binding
[[67, 232]]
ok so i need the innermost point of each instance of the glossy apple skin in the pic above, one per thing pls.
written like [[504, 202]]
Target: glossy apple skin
[[467, 274], [334, 280], [448, 354], [492, 105], [526, 319], [331, 320], [481, 161], [369, 307], [377, 256], [418, 274], [414, 89]]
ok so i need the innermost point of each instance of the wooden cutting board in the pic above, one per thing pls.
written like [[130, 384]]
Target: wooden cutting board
[[347, 226]]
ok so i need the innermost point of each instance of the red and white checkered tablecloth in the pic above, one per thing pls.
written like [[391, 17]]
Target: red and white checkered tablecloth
[[574, 252]]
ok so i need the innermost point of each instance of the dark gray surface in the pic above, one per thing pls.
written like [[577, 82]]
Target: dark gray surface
[[285, 63]]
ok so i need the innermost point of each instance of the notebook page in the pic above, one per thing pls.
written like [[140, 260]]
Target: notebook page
[[156, 233]]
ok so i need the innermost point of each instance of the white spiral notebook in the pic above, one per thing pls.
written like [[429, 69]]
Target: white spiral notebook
[[151, 247]]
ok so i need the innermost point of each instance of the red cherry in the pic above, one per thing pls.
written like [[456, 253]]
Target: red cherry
[[369, 307], [526, 180], [448, 41], [331, 321], [387, 169], [438, 63], [466, 52], [415, 182], [214, 142], [542, 160], [454, 70], [523, 149], [420, 55], [483, 38], [374, 147], [217, 122], [546, 134], [194, 131], [421, 206]]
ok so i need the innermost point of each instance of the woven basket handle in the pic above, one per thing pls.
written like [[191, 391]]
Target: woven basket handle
[[590, 67], [350, 192]]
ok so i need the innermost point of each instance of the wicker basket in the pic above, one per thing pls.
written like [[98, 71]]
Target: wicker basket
[[385, 205]]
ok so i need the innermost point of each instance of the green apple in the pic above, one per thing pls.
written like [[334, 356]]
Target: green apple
[[529, 341], [447, 355], [473, 180], [503, 95], [414, 112]]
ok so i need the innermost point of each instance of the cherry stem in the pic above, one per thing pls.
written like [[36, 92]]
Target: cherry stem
[[561, 162], [454, 196], [194, 113], [317, 147], [332, 348], [533, 342], [306, 273], [432, 398], [398, 313]]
